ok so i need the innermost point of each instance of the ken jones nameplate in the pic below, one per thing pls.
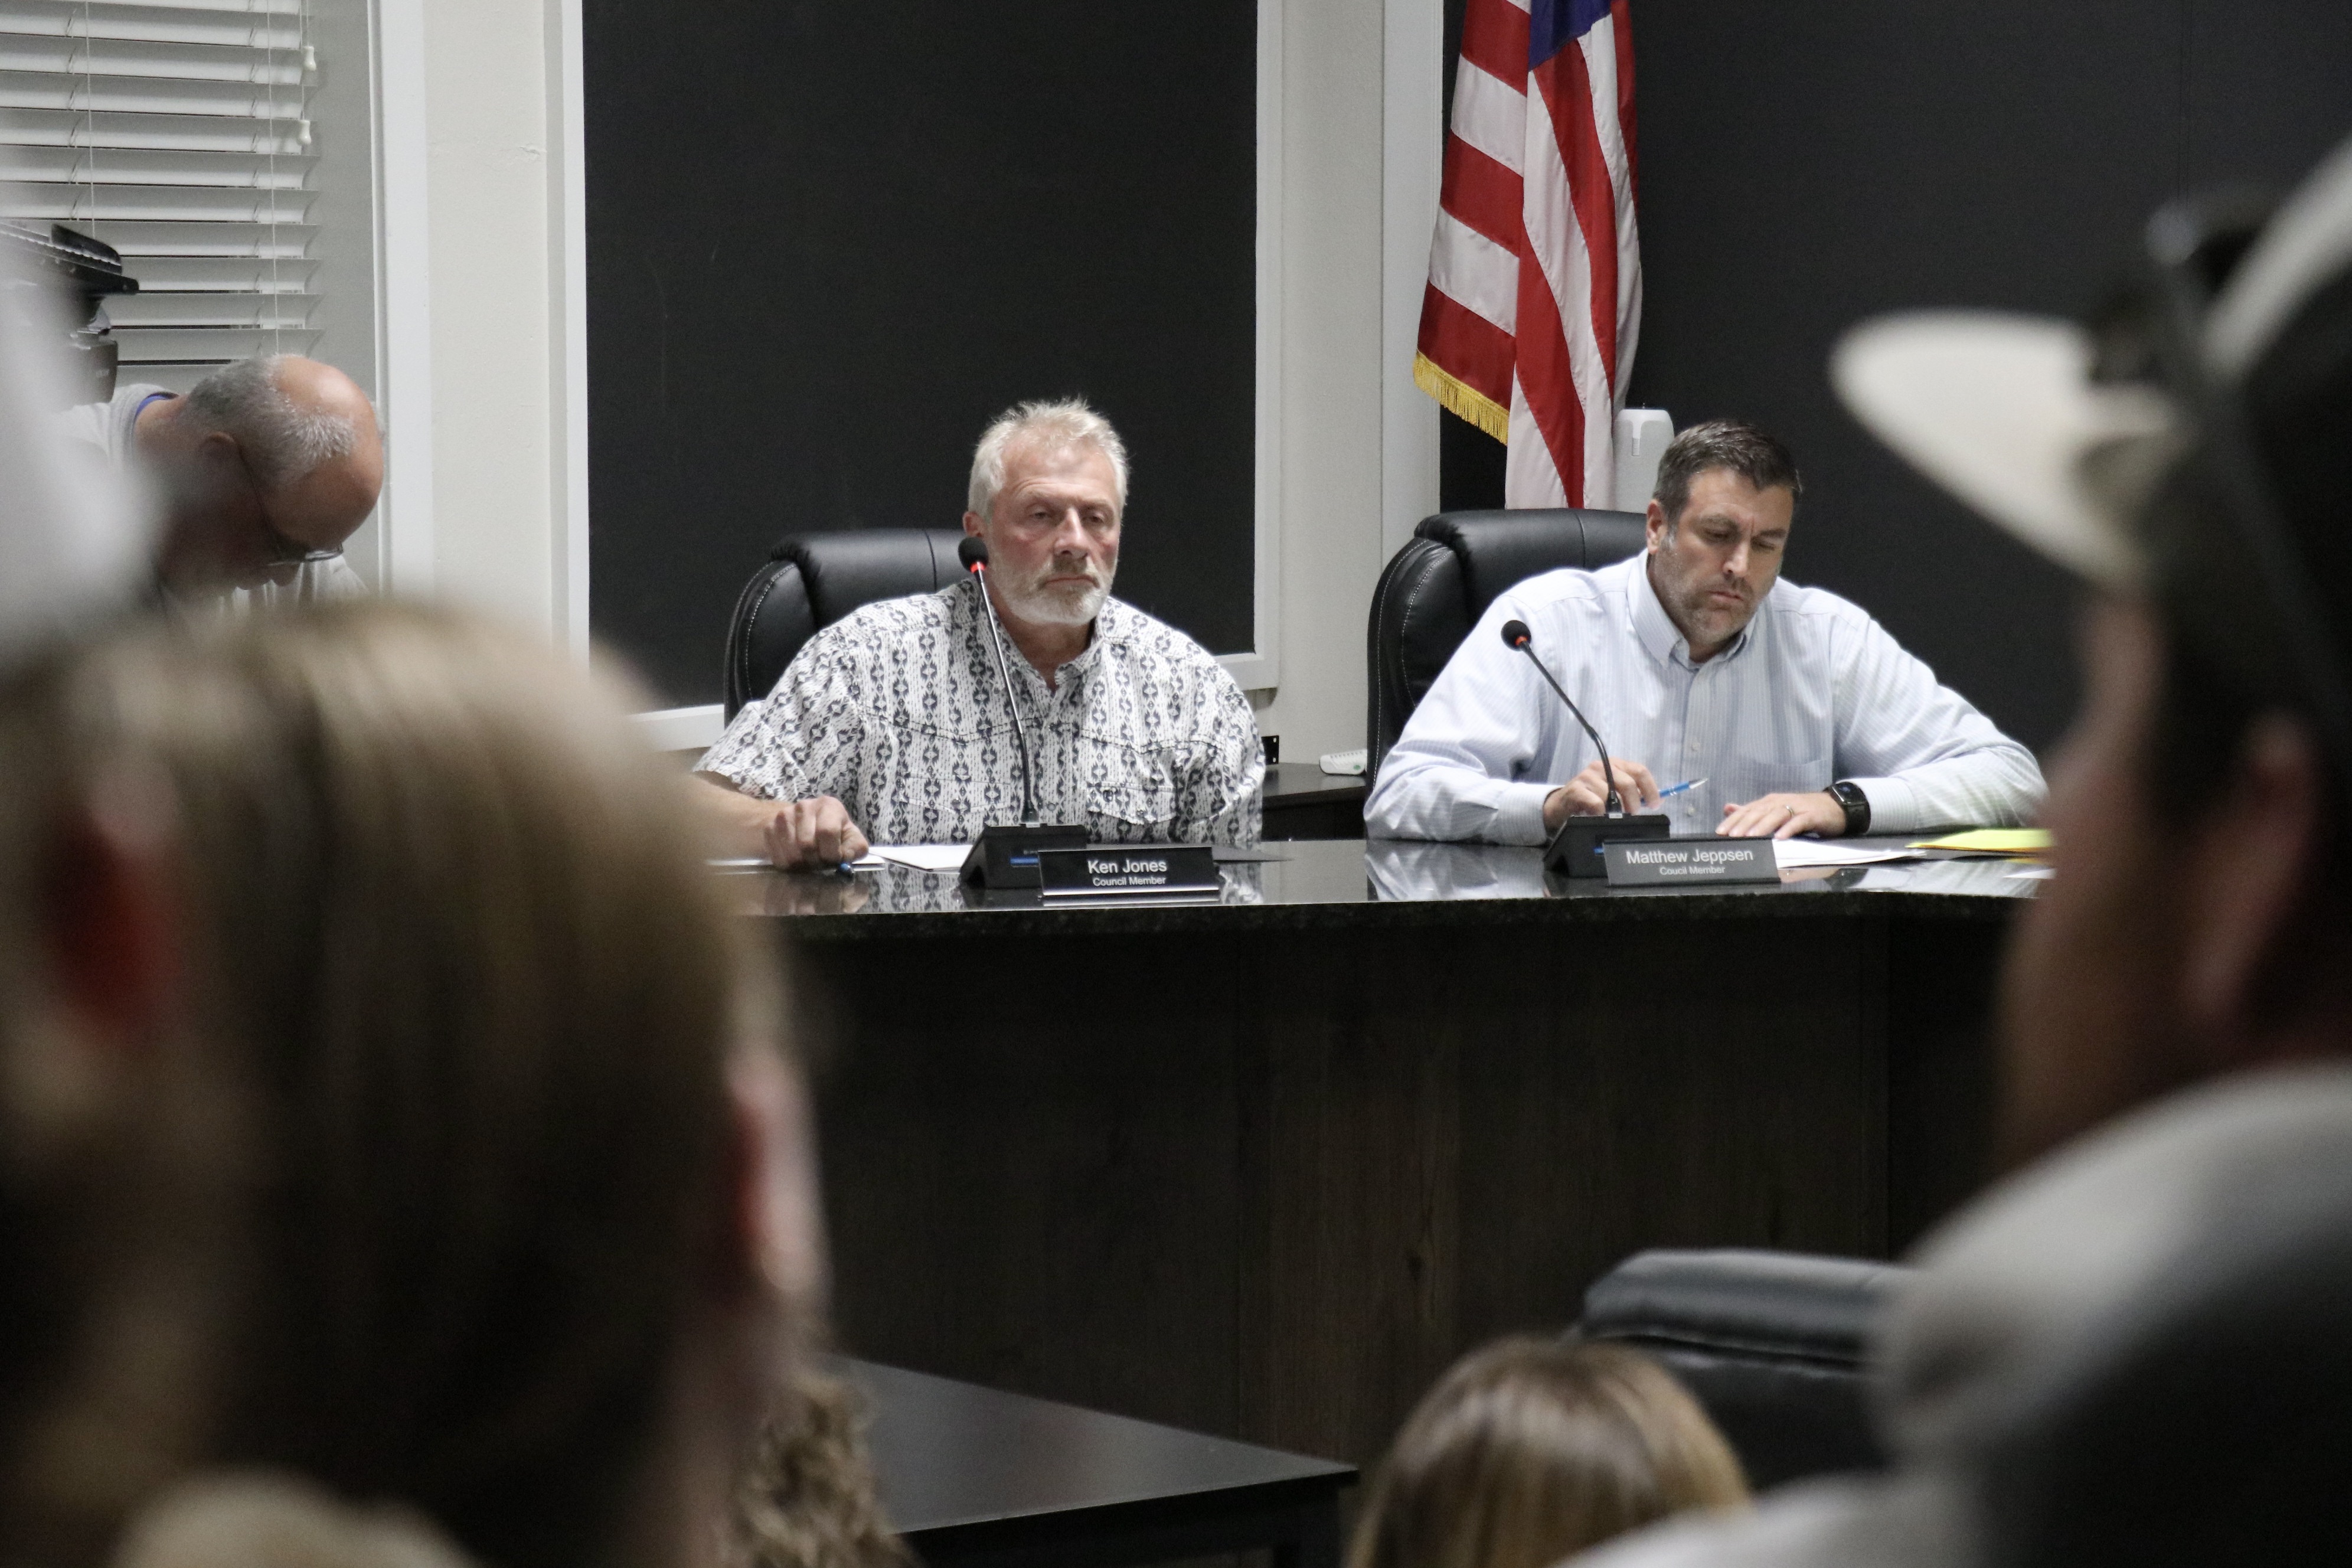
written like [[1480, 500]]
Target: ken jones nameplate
[[1679, 862], [1129, 870]]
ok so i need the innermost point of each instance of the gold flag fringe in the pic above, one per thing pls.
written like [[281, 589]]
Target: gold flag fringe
[[1466, 402]]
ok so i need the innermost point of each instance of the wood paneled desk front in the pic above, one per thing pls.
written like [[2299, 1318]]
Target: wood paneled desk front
[[1264, 1167]]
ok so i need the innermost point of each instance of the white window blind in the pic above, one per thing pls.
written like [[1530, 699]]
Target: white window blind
[[178, 131]]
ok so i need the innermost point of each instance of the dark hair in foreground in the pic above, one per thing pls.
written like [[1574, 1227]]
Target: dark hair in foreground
[[2280, 476], [454, 915], [2223, 665], [1532, 1449], [1754, 456]]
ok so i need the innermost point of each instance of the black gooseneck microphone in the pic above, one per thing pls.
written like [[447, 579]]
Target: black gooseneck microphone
[[1004, 856], [1576, 848], [973, 552], [1517, 635]]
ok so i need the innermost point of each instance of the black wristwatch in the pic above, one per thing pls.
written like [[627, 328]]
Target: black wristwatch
[[1849, 795]]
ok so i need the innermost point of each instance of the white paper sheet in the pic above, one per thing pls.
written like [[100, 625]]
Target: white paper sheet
[[932, 857], [2032, 874], [1795, 853], [921, 857]]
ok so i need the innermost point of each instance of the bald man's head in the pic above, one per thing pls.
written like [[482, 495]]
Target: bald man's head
[[326, 499], [264, 460]]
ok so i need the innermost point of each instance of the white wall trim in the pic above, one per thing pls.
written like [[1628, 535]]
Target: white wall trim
[[1261, 668], [1413, 147], [567, 327], [681, 728], [404, 305]]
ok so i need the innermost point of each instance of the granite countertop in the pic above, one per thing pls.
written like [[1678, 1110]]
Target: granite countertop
[[1320, 884]]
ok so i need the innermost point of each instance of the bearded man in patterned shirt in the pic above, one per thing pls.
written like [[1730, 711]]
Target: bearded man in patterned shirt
[[892, 725]]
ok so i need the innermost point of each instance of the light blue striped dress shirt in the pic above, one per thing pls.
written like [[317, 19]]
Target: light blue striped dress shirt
[[1812, 691]]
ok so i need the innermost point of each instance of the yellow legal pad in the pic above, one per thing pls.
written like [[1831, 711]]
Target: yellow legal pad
[[1992, 841]]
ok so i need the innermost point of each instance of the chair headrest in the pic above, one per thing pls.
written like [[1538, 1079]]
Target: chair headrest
[[1774, 1303], [841, 571], [1499, 549]]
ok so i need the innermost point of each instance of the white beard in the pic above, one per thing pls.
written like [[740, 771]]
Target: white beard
[[1064, 605]]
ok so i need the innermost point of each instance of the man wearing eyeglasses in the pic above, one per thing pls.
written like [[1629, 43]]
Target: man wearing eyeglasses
[[260, 473]]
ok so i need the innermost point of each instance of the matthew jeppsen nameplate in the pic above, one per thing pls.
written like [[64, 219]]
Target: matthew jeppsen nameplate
[[1129, 871], [1682, 862]]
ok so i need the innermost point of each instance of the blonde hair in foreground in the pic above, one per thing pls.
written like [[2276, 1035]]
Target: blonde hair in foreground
[[807, 1498], [1530, 1450], [451, 912]]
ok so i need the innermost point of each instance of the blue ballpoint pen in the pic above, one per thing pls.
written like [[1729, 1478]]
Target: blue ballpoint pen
[[1687, 785]]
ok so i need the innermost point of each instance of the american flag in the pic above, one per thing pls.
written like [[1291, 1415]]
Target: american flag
[[1534, 275]]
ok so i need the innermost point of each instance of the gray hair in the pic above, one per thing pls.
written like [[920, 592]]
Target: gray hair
[[1053, 425], [282, 442], [1754, 456]]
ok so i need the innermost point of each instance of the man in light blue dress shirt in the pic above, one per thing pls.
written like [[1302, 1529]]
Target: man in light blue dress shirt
[[1788, 709]]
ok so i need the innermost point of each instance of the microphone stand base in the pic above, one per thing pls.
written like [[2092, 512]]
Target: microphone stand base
[[1575, 850], [1005, 854]]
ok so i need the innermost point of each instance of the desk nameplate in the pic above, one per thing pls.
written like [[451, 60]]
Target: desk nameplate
[[1129, 870], [1680, 862]]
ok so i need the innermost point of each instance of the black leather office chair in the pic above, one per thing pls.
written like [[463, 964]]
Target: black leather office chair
[[811, 580], [1434, 590], [1770, 1343]]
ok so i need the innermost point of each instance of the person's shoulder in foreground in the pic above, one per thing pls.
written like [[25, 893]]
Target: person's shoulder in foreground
[[2030, 1280]]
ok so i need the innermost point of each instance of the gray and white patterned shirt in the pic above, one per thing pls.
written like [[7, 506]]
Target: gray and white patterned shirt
[[896, 711]]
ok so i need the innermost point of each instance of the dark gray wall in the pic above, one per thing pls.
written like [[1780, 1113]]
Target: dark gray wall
[[828, 242], [1804, 166]]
